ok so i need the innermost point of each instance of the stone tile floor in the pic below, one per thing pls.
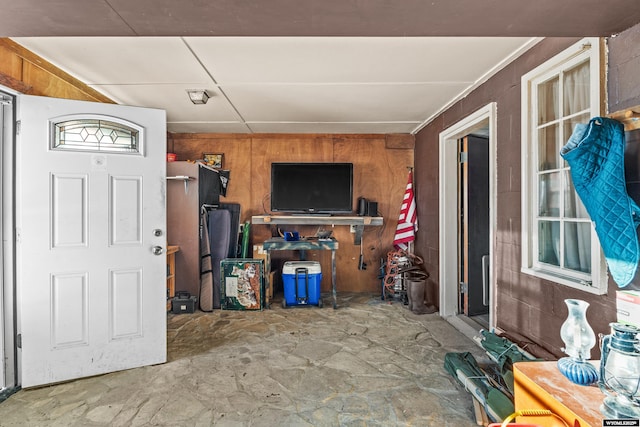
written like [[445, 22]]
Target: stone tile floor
[[368, 363]]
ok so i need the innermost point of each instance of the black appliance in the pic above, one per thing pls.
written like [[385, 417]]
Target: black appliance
[[367, 207], [312, 188]]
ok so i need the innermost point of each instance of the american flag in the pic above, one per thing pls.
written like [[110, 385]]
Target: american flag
[[408, 220]]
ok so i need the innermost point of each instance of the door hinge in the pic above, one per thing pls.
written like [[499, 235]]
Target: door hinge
[[464, 287], [18, 126], [19, 340], [463, 157]]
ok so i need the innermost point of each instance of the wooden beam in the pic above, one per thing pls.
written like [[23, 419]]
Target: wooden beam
[[629, 117], [16, 84], [400, 141]]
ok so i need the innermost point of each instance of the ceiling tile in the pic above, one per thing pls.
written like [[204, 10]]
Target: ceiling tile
[[121, 60], [357, 128], [340, 103], [350, 59], [300, 84], [175, 100], [207, 127]]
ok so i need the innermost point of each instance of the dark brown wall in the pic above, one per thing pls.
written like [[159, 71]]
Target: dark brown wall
[[623, 85], [624, 91], [527, 305], [380, 174]]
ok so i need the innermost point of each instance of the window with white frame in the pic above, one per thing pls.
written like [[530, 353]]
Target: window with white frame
[[559, 242]]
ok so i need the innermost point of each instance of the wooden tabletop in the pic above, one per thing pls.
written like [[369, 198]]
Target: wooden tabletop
[[540, 385]]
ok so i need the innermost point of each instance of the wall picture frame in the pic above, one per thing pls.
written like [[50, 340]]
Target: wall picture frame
[[213, 159]]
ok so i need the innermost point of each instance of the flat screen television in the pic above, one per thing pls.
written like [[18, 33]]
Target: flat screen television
[[312, 188]]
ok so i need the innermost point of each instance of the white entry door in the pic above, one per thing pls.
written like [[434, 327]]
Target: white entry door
[[91, 234]]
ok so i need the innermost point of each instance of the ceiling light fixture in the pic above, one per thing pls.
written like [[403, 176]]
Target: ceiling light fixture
[[198, 96]]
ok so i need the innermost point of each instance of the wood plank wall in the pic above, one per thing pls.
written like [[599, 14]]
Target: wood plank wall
[[380, 174]]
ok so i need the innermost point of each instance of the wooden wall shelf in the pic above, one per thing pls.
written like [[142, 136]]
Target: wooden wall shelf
[[184, 178], [359, 222], [629, 117]]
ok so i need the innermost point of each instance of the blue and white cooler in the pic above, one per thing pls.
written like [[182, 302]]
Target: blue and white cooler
[[301, 281]]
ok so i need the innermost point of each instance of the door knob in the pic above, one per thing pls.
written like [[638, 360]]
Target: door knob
[[157, 250]]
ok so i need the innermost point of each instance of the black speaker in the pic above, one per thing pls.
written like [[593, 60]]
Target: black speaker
[[371, 208], [362, 206]]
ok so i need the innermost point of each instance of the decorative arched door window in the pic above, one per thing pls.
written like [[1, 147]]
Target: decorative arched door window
[[96, 134]]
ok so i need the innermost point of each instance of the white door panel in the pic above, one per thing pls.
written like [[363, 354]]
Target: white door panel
[[91, 291], [7, 333]]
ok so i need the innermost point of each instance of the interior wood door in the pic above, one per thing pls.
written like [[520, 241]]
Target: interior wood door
[[91, 237], [474, 225]]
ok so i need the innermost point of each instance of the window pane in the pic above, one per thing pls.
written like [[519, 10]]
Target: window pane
[[573, 207], [571, 123], [549, 242], [568, 127], [549, 194], [548, 147], [576, 89], [95, 135], [548, 101], [577, 245]]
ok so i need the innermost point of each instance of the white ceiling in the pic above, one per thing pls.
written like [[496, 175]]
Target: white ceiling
[[284, 84]]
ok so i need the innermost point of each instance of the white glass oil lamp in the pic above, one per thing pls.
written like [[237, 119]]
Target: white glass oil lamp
[[579, 339], [620, 372]]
